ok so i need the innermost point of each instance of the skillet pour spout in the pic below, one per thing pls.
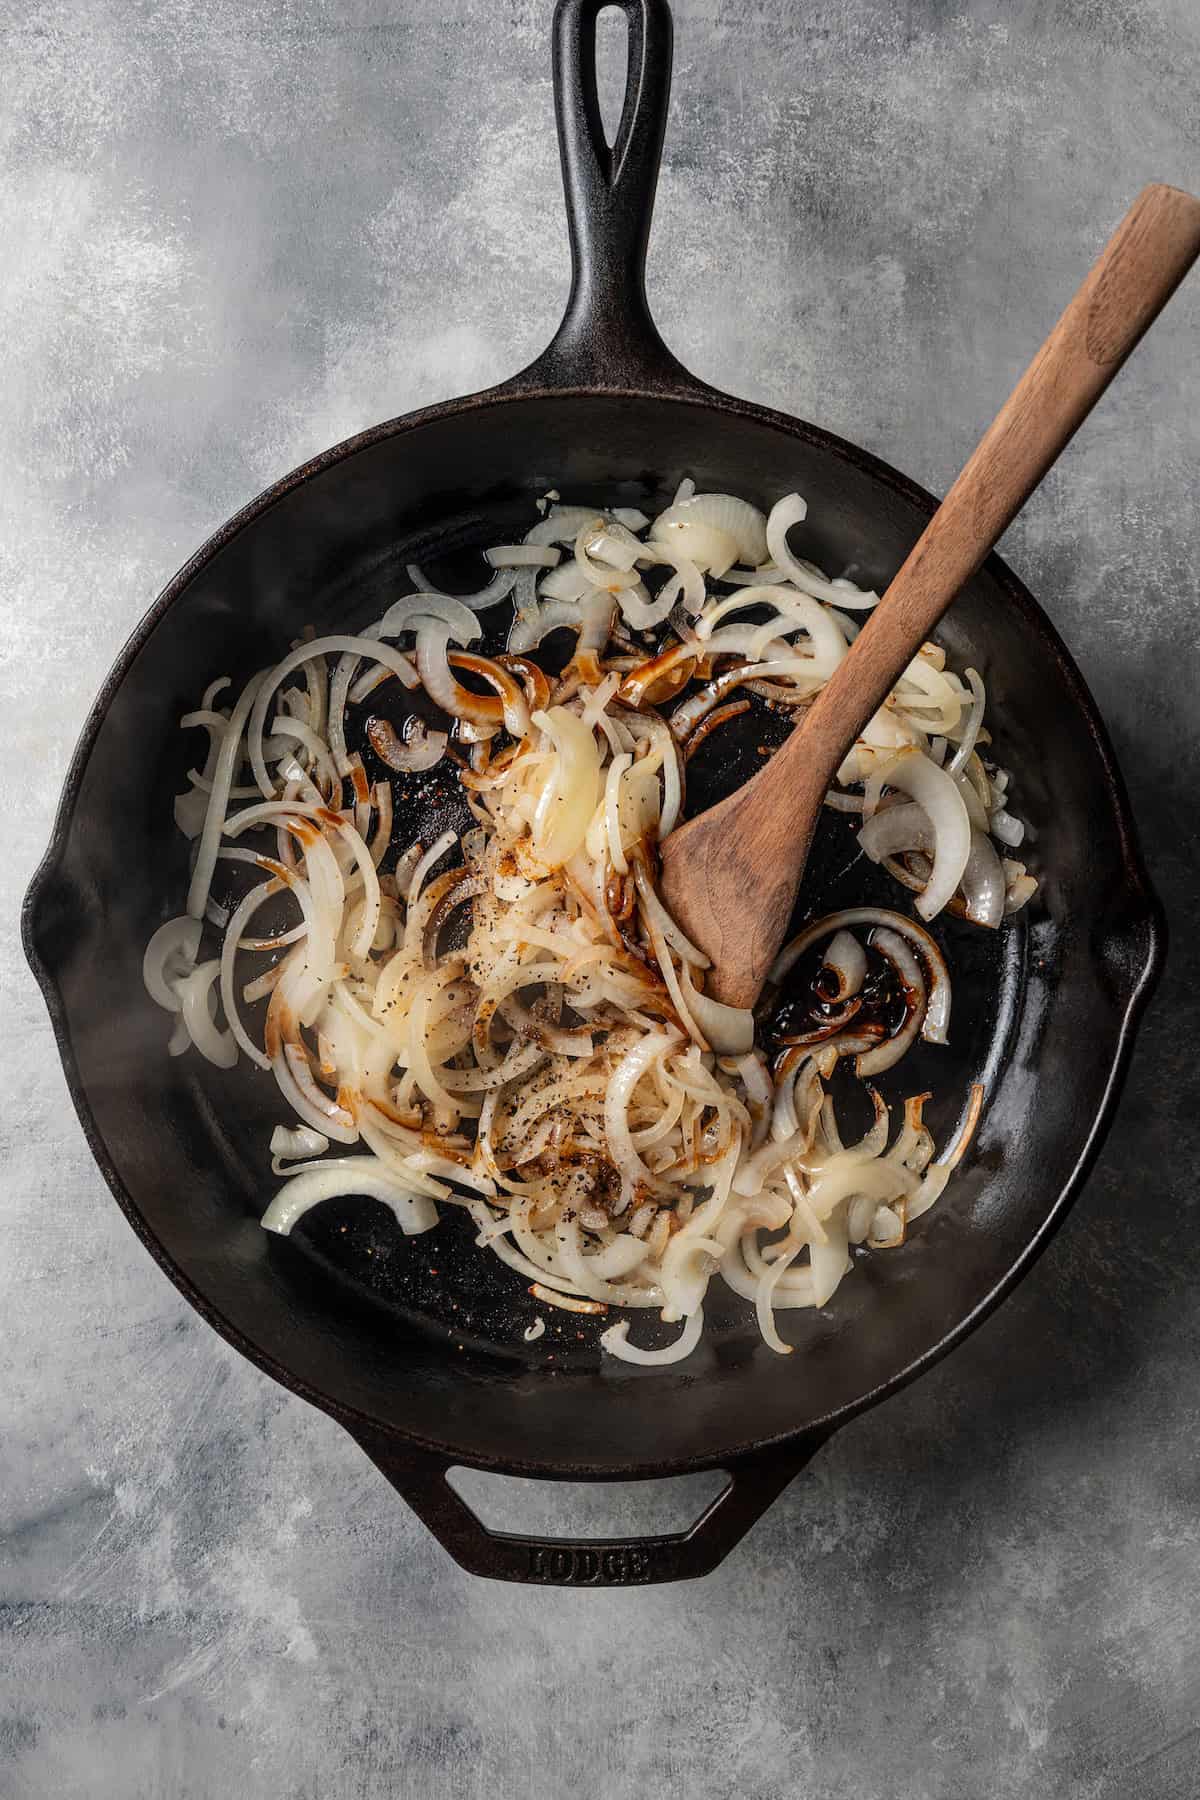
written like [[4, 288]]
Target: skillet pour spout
[[346, 1314]]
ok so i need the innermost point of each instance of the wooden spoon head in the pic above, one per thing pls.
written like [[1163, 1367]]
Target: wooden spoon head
[[729, 879]]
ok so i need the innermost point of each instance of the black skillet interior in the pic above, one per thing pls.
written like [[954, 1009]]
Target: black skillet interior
[[431, 1368], [443, 1285], [357, 1313]]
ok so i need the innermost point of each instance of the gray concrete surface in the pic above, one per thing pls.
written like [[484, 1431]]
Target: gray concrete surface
[[236, 230]]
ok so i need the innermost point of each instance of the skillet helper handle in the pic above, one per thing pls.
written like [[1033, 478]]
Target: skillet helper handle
[[607, 337], [754, 1482], [1138, 270]]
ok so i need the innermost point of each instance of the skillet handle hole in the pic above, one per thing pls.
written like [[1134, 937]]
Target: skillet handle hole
[[587, 1509], [730, 1502], [612, 69]]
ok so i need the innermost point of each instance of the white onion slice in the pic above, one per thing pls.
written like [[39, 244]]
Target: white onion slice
[[600, 573], [946, 811], [642, 612], [570, 798], [710, 549], [195, 991], [561, 525], [726, 513], [624, 1080], [499, 588], [729, 1029], [568, 582], [405, 614], [983, 884], [615, 1341], [552, 615], [291, 1143], [848, 961], [523, 556], [170, 955], [791, 510], [895, 830], [348, 1175], [691, 581], [1008, 831], [970, 736], [895, 950]]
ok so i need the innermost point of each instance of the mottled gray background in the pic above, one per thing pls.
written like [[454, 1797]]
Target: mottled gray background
[[236, 230]]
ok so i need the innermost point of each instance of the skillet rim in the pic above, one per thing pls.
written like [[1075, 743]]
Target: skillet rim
[[1142, 918]]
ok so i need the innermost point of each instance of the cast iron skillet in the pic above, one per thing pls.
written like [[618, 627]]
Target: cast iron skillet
[[427, 1370]]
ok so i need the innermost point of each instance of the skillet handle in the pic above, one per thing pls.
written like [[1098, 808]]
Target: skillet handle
[[420, 1478], [607, 338]]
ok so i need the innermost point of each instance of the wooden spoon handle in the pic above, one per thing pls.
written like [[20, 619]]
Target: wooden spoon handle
[[730, 875], [1139, 269]]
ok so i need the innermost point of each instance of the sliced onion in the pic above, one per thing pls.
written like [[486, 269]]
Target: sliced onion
[[727, 514], [561, 525], [642, 612], [170, 955], [615, 1341], [1007, 830], [895, 830], [729, 1029], [937, 1019], [845, 956], [346, 646], [896, 951], [406, 613], [229, 949], [499, 588], [435, 665], [983, 884], [421, 748], [791, 510], [552, 615], [195, 993], [292, 1143], [571, 797], [690, 584], [970, 735], [348, 1175], [938, 794], [603, 574], [218, 800], [523, 556], [569, 582], [628, 1072], [690, 712], [711, 550]]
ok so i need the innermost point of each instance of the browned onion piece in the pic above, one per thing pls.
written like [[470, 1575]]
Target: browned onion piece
[[510, 702], [899, 954], [420, 749], [534, 680], [659, 678], [713, 722], [689, 712], [450, 901], [937, 1017], [828, 1027], [846, 960]]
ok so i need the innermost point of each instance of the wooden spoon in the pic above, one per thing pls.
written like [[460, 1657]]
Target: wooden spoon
[[731, 875]]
